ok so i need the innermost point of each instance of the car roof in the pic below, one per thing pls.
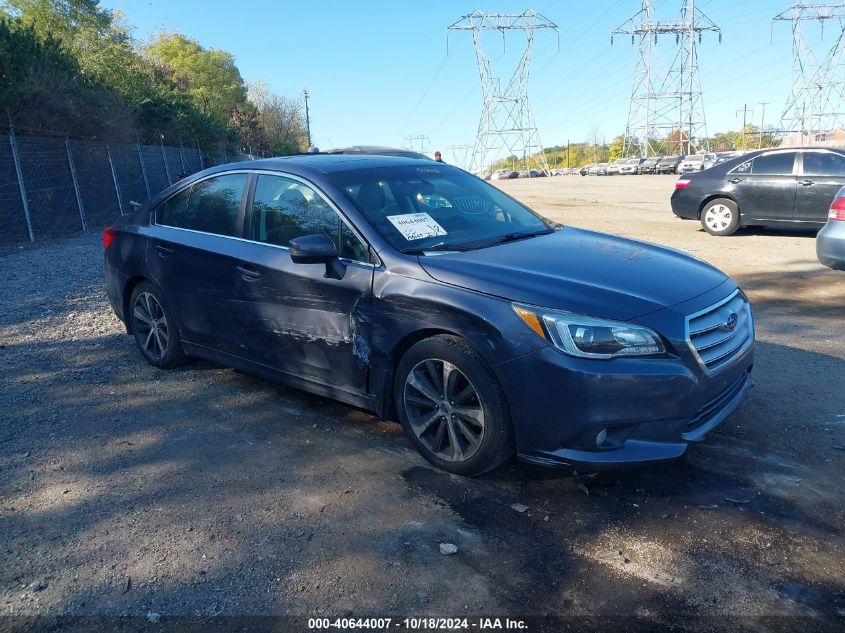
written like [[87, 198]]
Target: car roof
[[383, 150], [326, 163]]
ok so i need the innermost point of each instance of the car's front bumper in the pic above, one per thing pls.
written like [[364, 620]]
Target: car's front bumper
[[830, 245], [650, 408]]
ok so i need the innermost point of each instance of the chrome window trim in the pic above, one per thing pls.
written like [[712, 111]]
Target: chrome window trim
[[265, 172], [232, 172], [778, 150], [739, 351], [242, 239]]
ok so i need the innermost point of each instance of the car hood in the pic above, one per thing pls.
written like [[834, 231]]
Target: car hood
[[579, 271]]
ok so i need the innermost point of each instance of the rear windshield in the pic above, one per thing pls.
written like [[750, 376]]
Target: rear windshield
[[420, 208], [695, 157]]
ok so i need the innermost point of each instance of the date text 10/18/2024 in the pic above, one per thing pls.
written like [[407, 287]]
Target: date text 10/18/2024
[[417, 624]]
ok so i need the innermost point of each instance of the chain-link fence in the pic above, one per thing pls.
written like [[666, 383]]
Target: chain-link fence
[[52, 186]]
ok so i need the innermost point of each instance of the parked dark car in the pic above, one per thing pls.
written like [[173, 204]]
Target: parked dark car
[[787, 187], [668, 164], [649, 165], [830, 241], [416, 290]]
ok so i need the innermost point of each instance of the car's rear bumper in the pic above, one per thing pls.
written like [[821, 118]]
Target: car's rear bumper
[[651, 409], [830, 245], [684, 205], [115, 283]]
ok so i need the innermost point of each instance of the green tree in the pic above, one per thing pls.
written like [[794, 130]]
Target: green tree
[[209, 76], [281, 120], [617, 146], [63, 20]]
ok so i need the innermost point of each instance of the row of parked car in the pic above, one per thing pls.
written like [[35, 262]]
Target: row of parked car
[[658, 164]]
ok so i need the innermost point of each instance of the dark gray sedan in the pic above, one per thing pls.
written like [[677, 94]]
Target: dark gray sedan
[[419, 292], [786, 187], [830, 242]]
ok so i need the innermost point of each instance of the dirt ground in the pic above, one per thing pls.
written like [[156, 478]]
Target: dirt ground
[[202, 493]]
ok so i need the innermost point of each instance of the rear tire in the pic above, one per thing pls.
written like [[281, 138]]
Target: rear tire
[[452, 407], [720, 217], [154, 327]]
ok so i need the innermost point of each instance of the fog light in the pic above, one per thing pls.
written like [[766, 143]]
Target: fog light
[[601, 436]]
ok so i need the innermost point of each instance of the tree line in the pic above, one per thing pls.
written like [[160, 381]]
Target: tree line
[[74, 68], [595, 150]]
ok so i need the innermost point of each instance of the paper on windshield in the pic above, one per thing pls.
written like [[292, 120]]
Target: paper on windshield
[[416, 226]]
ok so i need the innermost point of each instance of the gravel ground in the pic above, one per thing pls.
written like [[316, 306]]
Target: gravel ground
[[203, 492]]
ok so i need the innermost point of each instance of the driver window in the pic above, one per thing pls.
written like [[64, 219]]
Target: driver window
[[284, 209]]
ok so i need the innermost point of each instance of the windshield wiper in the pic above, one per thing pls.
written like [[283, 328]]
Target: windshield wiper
[[472, 245], [512, 237], [519, 235], [440, 246]]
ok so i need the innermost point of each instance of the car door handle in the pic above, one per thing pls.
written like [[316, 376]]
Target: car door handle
[[248, 273], [163, 251], [806, 183], [735, 180]]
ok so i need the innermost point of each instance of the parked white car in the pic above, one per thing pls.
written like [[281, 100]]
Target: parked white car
[[630, 166], [693, 162]]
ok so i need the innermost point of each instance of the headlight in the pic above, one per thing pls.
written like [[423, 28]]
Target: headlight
[[589, 337]]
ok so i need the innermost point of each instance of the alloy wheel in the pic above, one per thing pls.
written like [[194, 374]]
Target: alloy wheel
[[444, 410], [151, 325]]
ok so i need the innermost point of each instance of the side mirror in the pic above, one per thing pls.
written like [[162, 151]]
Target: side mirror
[[317, 249]]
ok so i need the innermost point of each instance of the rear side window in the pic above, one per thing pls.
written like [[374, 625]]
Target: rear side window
[[210, 206], [174, 210], [823, 164], [773, 164], [214, 204], [284, 209]]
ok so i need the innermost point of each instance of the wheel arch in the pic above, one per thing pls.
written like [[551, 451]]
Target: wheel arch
[[126, 297], [715, 196], [386, 404]]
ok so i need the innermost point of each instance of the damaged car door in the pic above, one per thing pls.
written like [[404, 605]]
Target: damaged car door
[[294, 316]]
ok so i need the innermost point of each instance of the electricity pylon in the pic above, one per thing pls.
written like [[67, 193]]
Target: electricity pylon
[[506, 123], [459, 155], [666, 111], [815, 104], [418, 143]]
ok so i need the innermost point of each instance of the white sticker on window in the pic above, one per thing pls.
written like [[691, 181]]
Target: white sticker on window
[[416, 226]]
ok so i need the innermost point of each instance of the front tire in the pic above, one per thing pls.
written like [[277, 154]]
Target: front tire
[[452, 406], [154, 327], [720, 217]]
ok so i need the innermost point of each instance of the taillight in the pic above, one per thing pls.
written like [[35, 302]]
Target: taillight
[[108, 236], [682, 183], [837, 210]]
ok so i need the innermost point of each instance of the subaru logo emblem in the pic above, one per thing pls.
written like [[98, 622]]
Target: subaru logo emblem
[[730, 324]]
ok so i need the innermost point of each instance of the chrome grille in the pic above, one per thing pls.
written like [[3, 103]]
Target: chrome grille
[[712, 339]]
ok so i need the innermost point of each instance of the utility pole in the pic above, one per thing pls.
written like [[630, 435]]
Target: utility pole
[[670, 102], [306, 94], [763, 105], [745, 112], [506, 126], [567, 153], [818, 90]]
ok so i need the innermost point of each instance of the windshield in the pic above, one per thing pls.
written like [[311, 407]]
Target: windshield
[[419, 208]]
